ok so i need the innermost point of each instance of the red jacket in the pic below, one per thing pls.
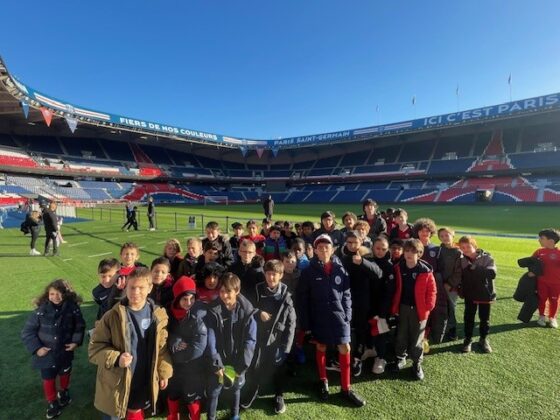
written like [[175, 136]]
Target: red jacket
[[424, 293]]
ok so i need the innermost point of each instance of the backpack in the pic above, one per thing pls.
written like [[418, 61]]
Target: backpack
[[24, 227]]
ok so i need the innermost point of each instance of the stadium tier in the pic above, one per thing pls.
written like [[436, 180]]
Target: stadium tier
[[511, 150]]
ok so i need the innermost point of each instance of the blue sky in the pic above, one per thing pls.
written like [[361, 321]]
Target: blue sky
[[264, 69]]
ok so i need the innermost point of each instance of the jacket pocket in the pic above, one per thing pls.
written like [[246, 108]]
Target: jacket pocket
[[112, 377]]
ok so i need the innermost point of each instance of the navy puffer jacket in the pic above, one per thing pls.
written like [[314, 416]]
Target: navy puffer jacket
[[325, 302], [53, 326]]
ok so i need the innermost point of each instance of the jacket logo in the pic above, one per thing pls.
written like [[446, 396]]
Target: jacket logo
[[432, 254], [391, 277], [414, 276], [338, 280]]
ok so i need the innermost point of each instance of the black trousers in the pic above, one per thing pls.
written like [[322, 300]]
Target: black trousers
[[151, 221], [34, 236], [51, 236], [483, 316]]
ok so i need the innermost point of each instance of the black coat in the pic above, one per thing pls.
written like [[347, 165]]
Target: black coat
[[53, 327], [189, 364], [379, 226], [244, 334], [32, 224], [477, 279], [50, 221], [283, 322], [250, 275], [362, 280], [383, 290], [526, 290], [225, 256]]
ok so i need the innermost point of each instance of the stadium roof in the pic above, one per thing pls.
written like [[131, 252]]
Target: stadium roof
[[14, 95]]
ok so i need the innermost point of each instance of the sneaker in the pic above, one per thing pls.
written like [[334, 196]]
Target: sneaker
[[357, 367], [53, 410], [324, 390], [249, 399], [333, 365], [354, 398], [379, 366], [542, 321], [64, 398], [368, 354], [34, 252], [553, 323], [300, 355], [235, 418], [401, 363], [467, 344], [279, 404], [485, 344], [417, 371], [425, 346]]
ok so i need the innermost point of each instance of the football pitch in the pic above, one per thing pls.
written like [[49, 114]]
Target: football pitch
[[519, 380]]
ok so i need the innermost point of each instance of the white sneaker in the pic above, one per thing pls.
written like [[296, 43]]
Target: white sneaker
[[542, 321], [152, 229], [379, 366], [553, 323], [368, 353], [34, 252]]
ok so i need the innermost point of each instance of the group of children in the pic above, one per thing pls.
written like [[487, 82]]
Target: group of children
[[236, 316]]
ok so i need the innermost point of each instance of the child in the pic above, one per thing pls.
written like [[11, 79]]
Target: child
[[288, 235], [325, 304], [382, 294], [225, 257], [415, 297], [129, 347], [106, 270], [274, 245], [477, 288], [298, 247], [328, 227], [172, 251], [307, 229], [348, 220], [254, 236], [51, 334], [389, 219], [208, 287], [234, 240], [232, 336], [449, 263], [162, 290], [131, 219], [187, 267], [548, 285], [187, 341], [361, 227], [376, 223], [424, 229], [403, 229], [249, 269], [291, 271], [265, 226], [396, 250], [362, 273], [209, 254], [130, 254], [276, 323]]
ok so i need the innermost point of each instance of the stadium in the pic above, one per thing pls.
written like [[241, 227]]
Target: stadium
[[484, 171], [504, 153]]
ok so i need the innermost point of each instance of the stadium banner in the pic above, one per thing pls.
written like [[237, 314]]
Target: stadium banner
[[505, 110]]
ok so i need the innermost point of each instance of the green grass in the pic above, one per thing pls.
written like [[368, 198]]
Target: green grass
[[519, 380]]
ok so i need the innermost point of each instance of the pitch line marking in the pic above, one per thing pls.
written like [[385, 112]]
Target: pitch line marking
[[160, 243], [78, 244], [99, 255], [67, 259]]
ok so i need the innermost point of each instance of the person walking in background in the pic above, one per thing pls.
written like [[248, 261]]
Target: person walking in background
[[268, 207], [151, 213]]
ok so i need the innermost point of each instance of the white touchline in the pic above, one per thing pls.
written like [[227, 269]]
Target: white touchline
[[99, 255]]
